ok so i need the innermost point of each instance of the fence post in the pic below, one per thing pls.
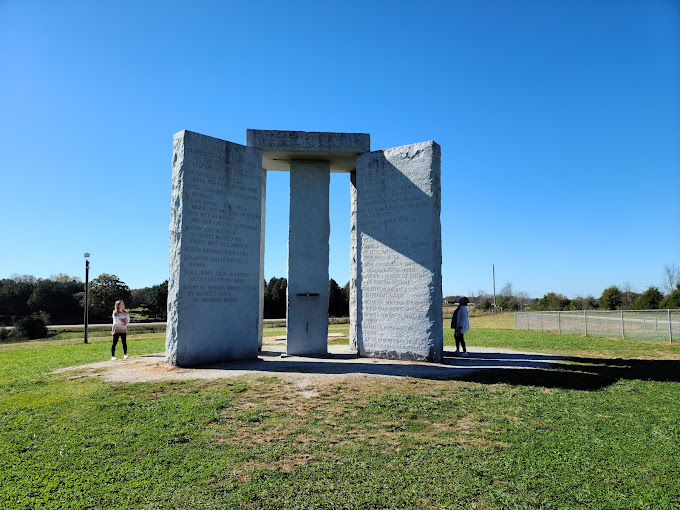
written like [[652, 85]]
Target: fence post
[[515, 316], [623, 331], [670, 329], [541, 322], [585, 322], [527, 321], [559, 325]]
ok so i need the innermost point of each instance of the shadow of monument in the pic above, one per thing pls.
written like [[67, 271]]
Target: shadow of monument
[[541, 370], [586, 374], [394, 223]]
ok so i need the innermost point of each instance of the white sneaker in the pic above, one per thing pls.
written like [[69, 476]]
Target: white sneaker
[[465, 354], [113, 358], [125, 357]]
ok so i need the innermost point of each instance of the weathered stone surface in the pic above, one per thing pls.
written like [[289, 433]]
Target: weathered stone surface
[[309, 229], [280, 147], [396, 254], [215, 251]]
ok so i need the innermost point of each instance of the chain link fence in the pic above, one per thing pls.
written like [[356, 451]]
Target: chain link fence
[[648, 325]]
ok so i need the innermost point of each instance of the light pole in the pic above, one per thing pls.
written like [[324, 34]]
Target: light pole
[[493, 269], [87, 291]]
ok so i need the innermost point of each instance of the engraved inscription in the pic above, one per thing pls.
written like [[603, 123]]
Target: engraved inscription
[[221, 222]]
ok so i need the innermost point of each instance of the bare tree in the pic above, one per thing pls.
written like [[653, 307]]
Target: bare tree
[[523, 300], [628, 296], [23, 278], [63, 277], [671, 277], [506, 291]]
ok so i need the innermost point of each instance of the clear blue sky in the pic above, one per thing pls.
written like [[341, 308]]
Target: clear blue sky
[[559, 124]]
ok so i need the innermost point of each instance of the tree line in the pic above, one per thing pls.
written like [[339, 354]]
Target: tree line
[[613, 298], [275, 299], [60, 299]]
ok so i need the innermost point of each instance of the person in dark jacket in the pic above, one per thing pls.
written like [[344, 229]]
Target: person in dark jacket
[[460, 323]]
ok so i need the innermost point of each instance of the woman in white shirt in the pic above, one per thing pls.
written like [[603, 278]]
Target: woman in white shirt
[[120, 321]]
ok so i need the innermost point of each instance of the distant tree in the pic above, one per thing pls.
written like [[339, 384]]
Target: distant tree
[[338, 299], [649, 299], [611, 298], [552, 302], [63, 277], [672, 300], [138, 297], [628, 296], [584, 303], [590, 303], [576, 303], [345, 299], [485, 304], [335, 308], [23, 278], [157, 300], [275, 298], [105, 290], [523, 300], [671, 277], [14, 296], [508, 303], [506, 291], [57, 299], [32, 326]]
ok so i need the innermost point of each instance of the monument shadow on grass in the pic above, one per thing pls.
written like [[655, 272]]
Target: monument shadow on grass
[[541, 370], [586, 374]]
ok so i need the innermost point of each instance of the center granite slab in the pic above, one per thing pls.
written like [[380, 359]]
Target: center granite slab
[[308, 232]]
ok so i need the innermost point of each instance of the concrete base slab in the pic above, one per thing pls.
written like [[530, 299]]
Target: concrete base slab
[[305, 370]]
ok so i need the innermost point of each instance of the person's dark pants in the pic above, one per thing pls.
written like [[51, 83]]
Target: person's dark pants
[[460, 341], [123, 339]]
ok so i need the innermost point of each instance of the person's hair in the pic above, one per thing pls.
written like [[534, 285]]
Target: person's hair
[[463, 301], [115, 307]]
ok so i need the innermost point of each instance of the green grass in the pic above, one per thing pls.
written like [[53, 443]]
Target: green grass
[[511, 439]]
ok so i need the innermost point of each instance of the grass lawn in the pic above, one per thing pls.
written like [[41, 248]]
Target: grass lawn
[[601, 432]]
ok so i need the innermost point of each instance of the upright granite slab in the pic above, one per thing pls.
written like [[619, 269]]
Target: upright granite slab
[[395, 280], [308, 233], [214, 302]]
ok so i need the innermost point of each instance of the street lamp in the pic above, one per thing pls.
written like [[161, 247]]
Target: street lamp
[[87, 291]]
